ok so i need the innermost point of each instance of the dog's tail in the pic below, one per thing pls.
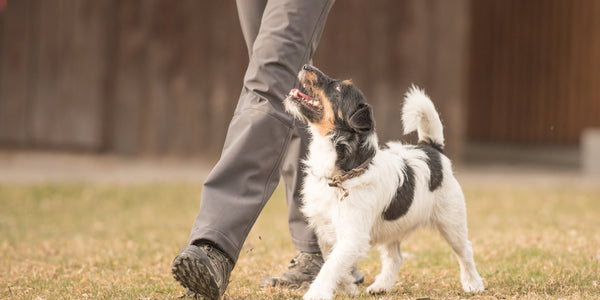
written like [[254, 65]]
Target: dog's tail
[[419, 114]]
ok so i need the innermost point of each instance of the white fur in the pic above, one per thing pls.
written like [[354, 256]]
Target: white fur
[[347, 229], [419, 114]]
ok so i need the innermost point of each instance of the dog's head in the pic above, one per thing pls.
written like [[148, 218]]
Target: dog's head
[[337, 111]]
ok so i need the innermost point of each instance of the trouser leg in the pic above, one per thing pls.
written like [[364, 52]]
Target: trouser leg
[[260, 132], [303, 237], [250, 13]]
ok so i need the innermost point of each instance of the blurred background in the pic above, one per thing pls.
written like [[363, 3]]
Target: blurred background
[[517, 82]]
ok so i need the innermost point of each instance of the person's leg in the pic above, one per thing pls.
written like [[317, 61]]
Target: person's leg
[[306, 265], [288, 36], [250, 13], [260, 132], [292, 173]]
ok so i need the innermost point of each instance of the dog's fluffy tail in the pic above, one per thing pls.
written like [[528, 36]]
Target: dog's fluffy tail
[[419, 114]]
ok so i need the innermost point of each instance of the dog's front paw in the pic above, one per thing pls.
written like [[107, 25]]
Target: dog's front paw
[[315, 294], [473, 285], [349, 289], [347, 286], [378, 287]]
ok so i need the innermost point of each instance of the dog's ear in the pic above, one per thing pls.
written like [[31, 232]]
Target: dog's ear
[[362, 119]]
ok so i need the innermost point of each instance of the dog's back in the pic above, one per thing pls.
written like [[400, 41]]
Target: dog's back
[[419, 170]]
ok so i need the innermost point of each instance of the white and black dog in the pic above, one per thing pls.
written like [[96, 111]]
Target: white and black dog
[[357, 195]]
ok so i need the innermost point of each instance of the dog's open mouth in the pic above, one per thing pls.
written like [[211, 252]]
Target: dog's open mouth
[[306, 100]]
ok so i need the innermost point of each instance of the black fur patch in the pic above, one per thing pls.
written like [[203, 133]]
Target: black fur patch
[[351, 149], [403, 198], [434, 162]]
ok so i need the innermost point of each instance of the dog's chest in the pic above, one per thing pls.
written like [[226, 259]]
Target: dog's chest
[[321, 201]]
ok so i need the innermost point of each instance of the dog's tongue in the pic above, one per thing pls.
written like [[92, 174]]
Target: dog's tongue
[[296, 93]]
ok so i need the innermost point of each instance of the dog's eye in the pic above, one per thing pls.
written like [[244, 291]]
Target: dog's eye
[[338, 87]]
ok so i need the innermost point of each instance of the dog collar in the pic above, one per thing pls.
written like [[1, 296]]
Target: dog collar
[[337, 180]]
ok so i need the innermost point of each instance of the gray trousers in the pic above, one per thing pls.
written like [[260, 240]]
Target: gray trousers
[[263, 143]]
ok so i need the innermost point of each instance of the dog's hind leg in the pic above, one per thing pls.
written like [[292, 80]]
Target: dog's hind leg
[[391, 261], [451, 221]]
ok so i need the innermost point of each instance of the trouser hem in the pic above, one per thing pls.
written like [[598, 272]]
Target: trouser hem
[[306, 246], [220, 239]]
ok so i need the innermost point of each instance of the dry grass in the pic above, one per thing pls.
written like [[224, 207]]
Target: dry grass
[[77, 241]]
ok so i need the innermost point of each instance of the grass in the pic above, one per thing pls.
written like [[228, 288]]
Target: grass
[[93, 241]]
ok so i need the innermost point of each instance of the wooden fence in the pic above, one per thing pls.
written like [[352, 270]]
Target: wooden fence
[[535, 71], [161, 77], [131, 77]]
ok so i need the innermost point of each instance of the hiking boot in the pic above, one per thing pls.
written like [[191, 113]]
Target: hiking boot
[[203, 270], [190, 295], [302, 271]]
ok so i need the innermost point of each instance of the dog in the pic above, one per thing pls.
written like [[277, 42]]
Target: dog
[[357, 195]]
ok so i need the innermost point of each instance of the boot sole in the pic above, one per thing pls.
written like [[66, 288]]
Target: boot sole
[[189, 270]]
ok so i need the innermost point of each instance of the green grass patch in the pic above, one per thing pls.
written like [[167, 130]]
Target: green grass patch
[[93, 241]]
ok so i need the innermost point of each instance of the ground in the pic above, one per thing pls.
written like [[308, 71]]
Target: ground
[[76, 227]]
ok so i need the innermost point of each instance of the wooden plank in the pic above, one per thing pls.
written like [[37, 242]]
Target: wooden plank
[[400, 55], [592, 113], [191, 85], [161, 55], [448, 72], [479, 69], [130, 72], [224, 90], [66, 107], [559, 112], [16, 40], [588, 60]]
